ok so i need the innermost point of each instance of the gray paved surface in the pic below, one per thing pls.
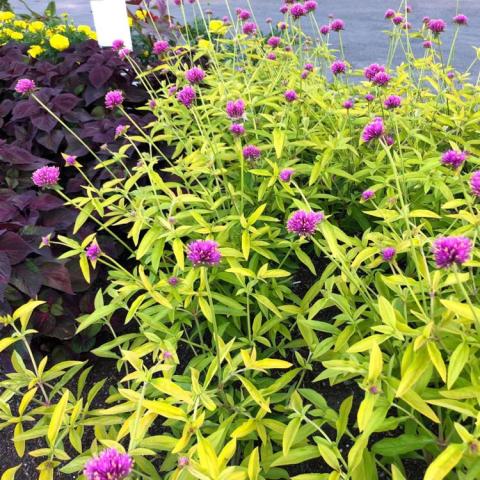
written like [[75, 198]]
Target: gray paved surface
[[363, 38]]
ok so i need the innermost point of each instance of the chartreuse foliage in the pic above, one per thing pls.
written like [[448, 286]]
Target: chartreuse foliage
[[227, 370]]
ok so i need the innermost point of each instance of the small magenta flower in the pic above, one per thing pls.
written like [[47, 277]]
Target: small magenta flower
[[290, 95], [390, 13], [46, 176], [367, 195], [204, 253], [309, 67], [123, 53], [427, 44], [397, 20], [244, 15], [70, 160], [161, 46], [304, 74], [236, 109], [425, 20], [388, 254], [297, 10], [389, 140], [374, 130], [284, 9], [121, 130], [393, 101], [187, 95], [269, 20], [381, 79], [310, 5], [109, 465], [304, 223], [451, 75], [249, 28], [251, 152], [460, 19], [274, 42], [286, 174], [409, 8], [172, 90], [271, 56], [338, 67], [113, 99], [407, 26], [173, 281], [194, 75], [451, 250], [369, 97], [325, 29], [282, 26], [372, 70], [348, 104], [118, 45], [237, 129], [337, 25], [93, 252], [454, 158], [24, 86], [475, 183], [437, 26], [183, 462], [166, 355]]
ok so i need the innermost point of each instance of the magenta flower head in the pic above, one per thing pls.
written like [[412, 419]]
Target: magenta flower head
[[451, 250], [194, 75], [369, 97], [204, 253], [123, 53], [367, 195], [274, 42], [282, 26], [173, 281], [309, 67], [284, 9], [24, 86], [460, 19], [251, 152], [475, 184], [427, 44], [237, 129], [310, 5], [393, 101], [388, 254], [93, 252], [244, 15], [250, 28], [397, 20], [425, 20], [290, 95], [374, 130], [286, 174], [118, 45], [381, 79], [338, 67], [121, 130], [454, 158], [236, 109], [437, 26], [390, 13], [304, 74], [109, 465], [70, 160], [297, 10], [409, 8], [46, 176], [183, 462], [160, 47], [348, 104], [337, 25], [325, 29], [187, 95], [271, 56], [304, 223], [113, 99], [372, 70]]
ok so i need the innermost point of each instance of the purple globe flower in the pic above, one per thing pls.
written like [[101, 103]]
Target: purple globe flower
[[251, 152], [454, 158], [286, 174], [451, 250], [427, 44], [282, 26], [120, 130], [290, 95], [338, 67], [309, 67], [348, 104], [160, 47], [460, 19], [236, 109], [244, 15], [109, 465], [250, 28], [337, 25], [93, 252], [367, 195], [123, 53], [304, 74], [173, 281], [183, 462], [187, 95], [475, 183], [70, 160], [372, 70], [397, 20], [118, 45], [374, 130], [425, 20], [284, 9], [204, 253], [304, 223], [390, 13], [271, 56], [409, 8], [46, 176], [297, 10], [381, 79], [393, 101], [437, 26], [237, 129], [113, 99], [194, 75], [274, 42], [24, 86], [325, 29], [388, 254], [310, 5], [369, 97]]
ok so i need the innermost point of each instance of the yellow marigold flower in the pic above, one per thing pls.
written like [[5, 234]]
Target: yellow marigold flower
[[20, 24], [6, 16], [16, 35], [130, 21], [35, 50], [141, 14], [217, 27], [36, 26], [204, 44], [59, 42], [92, 35], [84, 29]]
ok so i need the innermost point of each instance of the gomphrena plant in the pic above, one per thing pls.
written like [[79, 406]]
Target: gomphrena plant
[[301, 291]]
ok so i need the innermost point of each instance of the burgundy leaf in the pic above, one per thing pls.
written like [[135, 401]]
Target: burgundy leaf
[[14, 247]]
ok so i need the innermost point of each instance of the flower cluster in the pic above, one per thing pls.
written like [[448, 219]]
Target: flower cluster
[[109, 465], [304, 223], [449, 251], [204, 253]]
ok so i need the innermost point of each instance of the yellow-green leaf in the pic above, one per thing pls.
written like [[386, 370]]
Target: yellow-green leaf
[[445, 462], [57, 419]]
